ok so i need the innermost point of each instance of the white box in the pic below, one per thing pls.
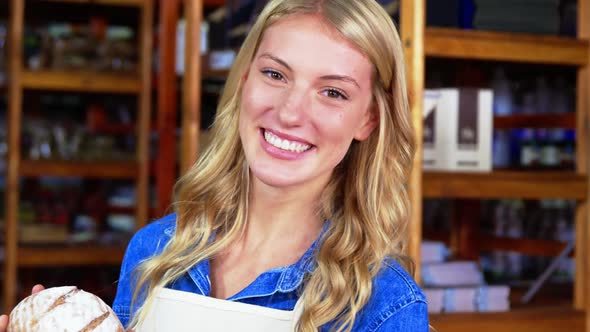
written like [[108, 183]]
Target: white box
[[435, 298], [452, 274], [433, 252], [457, 130]]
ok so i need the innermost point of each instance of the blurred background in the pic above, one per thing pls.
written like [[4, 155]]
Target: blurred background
[[105, 103]]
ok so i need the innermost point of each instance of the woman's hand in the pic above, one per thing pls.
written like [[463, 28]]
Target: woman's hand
[[4, 318]]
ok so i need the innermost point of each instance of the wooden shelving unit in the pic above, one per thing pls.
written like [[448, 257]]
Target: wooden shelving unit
[[421, 42], [137, 84]]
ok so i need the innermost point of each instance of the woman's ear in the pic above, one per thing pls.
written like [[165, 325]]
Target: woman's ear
[[369, 122]]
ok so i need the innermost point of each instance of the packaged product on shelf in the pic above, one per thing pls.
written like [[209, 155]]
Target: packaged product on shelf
[[458, 129], [3, 52], [502, 104], [433, 252], [549, 155], [540, 17], [435, 298], [453, 273], [118, 51], [529, 149], [484, 298], [567, 151], [443, 13], [458, 286], [72, 46], [461, 299], [181, 47], [42, 233]]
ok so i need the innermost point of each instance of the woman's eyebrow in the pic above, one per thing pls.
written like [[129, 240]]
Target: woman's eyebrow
[[276, 59], [343, 78]]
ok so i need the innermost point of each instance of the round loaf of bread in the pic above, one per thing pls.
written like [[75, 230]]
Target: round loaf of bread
[[66, 309]]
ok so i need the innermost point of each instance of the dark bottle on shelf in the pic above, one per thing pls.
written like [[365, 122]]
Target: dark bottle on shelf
[[567, 151], [529, 149], [549, 149]]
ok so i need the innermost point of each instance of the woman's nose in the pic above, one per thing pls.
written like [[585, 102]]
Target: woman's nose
[[293, 110]]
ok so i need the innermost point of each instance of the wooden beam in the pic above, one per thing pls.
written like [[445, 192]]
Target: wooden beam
[[191, 92], [17, 9], [167, 105], [412, 36], [582, 283], [144, 114]]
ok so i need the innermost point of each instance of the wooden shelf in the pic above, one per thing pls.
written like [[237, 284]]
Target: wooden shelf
[[497, 46], [124, 3], [102, 169], [550, 319], [80, 81], [485, 242], [524, 246], [505, 184], [214, 2], [70, 255], [565, 121]]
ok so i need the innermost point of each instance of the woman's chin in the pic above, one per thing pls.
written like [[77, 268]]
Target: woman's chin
[[272, 178]]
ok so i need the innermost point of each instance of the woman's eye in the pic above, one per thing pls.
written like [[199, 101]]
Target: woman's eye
[[275, 75], [336, 94]]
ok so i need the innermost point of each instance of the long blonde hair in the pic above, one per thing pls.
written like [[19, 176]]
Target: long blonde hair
[[366, 199]]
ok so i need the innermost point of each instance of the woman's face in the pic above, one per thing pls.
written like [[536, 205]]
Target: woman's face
[[305, 97]]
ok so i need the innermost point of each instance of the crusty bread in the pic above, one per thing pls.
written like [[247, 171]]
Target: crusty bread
[[66, 309]]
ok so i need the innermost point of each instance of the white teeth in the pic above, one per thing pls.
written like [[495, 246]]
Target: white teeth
[[285, 144]]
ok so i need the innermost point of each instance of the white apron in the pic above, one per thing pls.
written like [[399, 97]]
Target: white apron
[[180, 311]]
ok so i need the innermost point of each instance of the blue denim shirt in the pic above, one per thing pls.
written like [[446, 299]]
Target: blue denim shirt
[[396, 302]]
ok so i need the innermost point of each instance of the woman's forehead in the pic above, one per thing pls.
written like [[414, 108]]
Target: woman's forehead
[[309, 40]]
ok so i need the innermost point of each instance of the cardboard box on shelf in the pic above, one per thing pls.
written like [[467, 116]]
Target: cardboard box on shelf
[[38, 233], [458, 129]]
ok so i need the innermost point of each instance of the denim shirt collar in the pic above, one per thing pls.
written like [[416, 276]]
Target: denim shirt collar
[[282, 279]]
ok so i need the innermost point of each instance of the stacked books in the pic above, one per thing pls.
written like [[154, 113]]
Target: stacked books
[[525, 16], [458, 286]]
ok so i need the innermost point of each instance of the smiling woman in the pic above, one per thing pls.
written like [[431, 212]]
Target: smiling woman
[[308, 90], [300, 202]]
